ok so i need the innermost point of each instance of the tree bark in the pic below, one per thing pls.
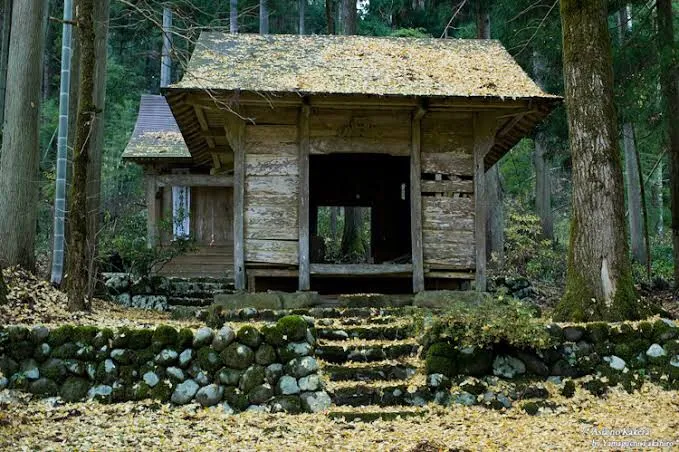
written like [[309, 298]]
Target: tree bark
[[633, 183], [77, 257], [302, 12], [330, 15], [333, 222], [3, 288], [101, 13], [20, 146], [349, 17], [543, 187], [352, 235], [599, 279], [4, 54], [669, 82], [233, 16], [658, 199], [263, 17], [166, 56]]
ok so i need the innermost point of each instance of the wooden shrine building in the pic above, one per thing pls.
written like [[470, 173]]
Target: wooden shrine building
[[269, 129]]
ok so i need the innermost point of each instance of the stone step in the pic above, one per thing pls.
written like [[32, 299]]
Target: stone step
[[386, 332], [356, 315], [395, 394], [370, 372], [340, 353], [196, 302], [374, 413]]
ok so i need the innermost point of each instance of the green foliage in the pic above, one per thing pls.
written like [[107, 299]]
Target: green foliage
[[492, 321]]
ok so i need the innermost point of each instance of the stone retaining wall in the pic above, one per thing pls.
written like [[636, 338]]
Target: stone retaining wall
[[267, 369]]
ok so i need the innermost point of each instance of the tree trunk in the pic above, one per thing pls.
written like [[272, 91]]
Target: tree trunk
[[166, 57], [333, 222], [352, 235], [495, 224], [77, 257], [101, 13], [4, 54], [58, 235], [330, 15], [599, 279], [20, 146], [658, 199], [3, 288], [302, 12], [46, 66], [633, 183], [233, 16], [349, 17], [543, 187], [669, 81], [263, 17]]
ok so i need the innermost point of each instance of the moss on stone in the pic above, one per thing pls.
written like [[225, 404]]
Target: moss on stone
[[162, 391], [60, 335], [530, 408], [102, 338], [663, 332], [265, 355], [237, 356], [141, 391], [597, 332], [74, 389], [273, 335], [121, 339], [250, 336], [185, 338], [568, 389], [629, 350], [145, 356], [140, 338], [22, 350], [65, 351], [84, 334], [208, 359], [293, 327], [440, 365], [18, 334], [165, 336], [236, 398]]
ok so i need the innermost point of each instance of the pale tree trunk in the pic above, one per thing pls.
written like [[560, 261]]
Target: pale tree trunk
[[302, 12], [333, 221], [543, 174], [4, 54], [20, 146], [263, 17], [3, 288], [77, 264], [669, 81], [658, 199], [632, 173], [101, 12], [599, 282], [166, 57], [348, 17], [233, 16], [495, 220]]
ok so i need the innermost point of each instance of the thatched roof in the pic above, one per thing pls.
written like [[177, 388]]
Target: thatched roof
[[356, 65], [156, 134]]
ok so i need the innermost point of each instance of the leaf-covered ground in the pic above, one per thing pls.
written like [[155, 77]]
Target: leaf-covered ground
[[654, 413]]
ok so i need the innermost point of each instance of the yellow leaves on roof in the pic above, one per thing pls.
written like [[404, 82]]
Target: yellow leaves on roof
[[357, 65], [156, 144]]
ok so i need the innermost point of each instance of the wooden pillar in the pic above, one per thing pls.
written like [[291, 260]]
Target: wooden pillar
[[416, 200], [303, 209], [153, 204], [485, 126], [235, 133]]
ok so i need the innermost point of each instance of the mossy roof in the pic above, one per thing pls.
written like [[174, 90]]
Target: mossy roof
[[357, 65], [156, 134]]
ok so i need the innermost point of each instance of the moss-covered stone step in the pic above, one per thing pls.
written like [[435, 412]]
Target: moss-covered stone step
[[367, 373], [315, 312], [356, 321], [372, 415], [365, 353], [386, 332], [362, 394]]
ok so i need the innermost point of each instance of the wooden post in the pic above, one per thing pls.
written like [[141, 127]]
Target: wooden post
[[235, 133], [416, 200], [485, 126], [153, 206], [303, 213]]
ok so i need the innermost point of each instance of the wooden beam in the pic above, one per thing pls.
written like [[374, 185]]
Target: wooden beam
[[485, 126], [360, 269], [235, 131], [153, 204], [416, 199], [303, 210], [194, 180]]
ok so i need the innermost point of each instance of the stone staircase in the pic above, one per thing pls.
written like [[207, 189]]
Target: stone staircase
[[368, 358]]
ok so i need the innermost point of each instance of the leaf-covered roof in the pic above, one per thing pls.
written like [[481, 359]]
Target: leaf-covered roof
[[322, 64], [156, 134]]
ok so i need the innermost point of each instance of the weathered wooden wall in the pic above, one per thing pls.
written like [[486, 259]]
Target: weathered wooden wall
[[271, 188], [448, 191]]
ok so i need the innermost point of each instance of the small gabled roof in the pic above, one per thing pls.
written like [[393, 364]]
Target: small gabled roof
[[156, 134], [326, 64]]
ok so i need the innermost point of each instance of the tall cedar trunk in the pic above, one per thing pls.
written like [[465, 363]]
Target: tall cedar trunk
[[302, 12], [599, 280], [543, 174], [101, 12], [166, 53], [330, 15], [352, 236], [349, 17], [77, 264], [669, 81], [658, 199], [233, 16], [3, 288], [263, 17], [636, 213], [20, 146], [4, 54], [333, 222], [495, 221], [46, 63]]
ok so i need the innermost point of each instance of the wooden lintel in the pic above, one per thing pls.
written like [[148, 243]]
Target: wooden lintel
[[193, 180], [485, 127], [303, 210], [416, 199], [360, 269]]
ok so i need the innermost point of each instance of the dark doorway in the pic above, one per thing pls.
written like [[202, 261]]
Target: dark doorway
[[379, 184]]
